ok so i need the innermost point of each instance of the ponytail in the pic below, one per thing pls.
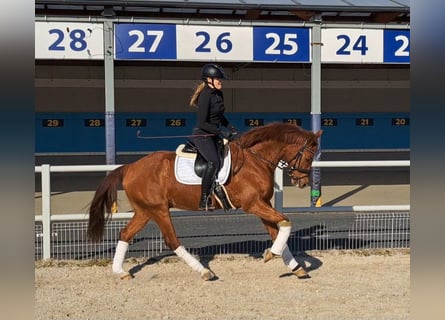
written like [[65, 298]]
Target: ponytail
[[194, 98]]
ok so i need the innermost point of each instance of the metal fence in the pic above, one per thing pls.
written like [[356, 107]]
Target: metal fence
[[233, 234]]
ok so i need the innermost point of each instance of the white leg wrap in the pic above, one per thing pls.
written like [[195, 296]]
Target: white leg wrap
[[281, 240], [182, 253], [288, 258], [119, 256]]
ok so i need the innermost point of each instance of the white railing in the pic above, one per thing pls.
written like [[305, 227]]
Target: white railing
[[344, 164], [46, 217]]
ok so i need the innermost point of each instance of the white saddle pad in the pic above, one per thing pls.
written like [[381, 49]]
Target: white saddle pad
[[185, 171]]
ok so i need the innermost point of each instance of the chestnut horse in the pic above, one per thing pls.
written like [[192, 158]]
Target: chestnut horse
[[152, 189]]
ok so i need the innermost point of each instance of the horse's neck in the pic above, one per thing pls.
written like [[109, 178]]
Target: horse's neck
[[270, 150]]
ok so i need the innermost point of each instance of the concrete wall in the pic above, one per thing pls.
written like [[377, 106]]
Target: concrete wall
[[71, 87]]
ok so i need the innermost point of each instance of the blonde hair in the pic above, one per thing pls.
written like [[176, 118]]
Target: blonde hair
[[194, 98]]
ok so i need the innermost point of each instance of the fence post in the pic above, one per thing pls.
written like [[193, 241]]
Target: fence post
[[46, 211], [278, 188]]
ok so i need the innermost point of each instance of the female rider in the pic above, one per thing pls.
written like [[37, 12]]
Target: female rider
[[209, 100]]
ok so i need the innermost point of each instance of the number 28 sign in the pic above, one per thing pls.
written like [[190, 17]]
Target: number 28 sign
[[68, 40]]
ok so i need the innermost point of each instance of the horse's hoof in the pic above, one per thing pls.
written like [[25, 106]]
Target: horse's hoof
[[206, 274], [301, 273], [125, 276], [268, 255]]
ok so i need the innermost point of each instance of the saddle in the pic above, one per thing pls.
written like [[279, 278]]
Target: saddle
[[189, 159], [200, 163]]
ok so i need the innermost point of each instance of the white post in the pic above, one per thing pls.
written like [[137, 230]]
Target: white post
[[278, 188], [46, 210]]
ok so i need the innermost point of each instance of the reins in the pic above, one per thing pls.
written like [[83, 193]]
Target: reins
[[281, 163], [258, 156]]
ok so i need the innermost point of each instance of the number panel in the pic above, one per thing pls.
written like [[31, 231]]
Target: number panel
[[135, 122], [294, 121], [145, 41], [68, 40], [210, 43], [397, 46], [400, 122], [364, 122], [93, 123], [329, 122], [281, 44], [352, 45], [52, 123], [175, 123], [253, 122]]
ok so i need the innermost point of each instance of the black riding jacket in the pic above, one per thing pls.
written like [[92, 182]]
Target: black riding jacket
[[210, 115]]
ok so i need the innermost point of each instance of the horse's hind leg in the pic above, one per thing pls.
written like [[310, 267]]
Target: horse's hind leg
[[165, 224], [139, 220], [286, 255]]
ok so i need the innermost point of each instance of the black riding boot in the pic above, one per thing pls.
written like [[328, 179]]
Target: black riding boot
[[205, 204]]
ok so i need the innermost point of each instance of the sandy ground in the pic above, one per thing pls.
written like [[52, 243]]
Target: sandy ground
[[344, 285]]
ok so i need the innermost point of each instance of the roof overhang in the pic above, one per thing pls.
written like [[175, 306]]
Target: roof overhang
[[369, 11]]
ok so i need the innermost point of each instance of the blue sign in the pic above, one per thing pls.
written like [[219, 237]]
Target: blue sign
[[281, 44], [145, 41], [396, 46]]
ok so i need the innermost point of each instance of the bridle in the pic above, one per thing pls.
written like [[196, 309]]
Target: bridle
[[297, 160], [295, 165]]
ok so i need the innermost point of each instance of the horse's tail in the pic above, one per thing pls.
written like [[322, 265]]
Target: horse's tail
[[104, 200]]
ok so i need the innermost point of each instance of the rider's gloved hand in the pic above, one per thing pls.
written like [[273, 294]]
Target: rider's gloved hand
[[229, 135], [232, 128], [234, 132]]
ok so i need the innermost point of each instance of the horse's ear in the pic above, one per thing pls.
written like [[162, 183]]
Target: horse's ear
[[318, 133]]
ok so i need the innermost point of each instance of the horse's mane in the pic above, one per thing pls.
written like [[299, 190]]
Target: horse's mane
[[280, 132]]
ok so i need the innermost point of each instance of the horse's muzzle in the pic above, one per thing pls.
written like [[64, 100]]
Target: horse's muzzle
[[300, 182]]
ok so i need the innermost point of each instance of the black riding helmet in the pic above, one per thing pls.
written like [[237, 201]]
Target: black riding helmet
[[211, 70]]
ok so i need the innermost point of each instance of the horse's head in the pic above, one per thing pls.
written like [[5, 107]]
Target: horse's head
[[301, 157], [284, 142]]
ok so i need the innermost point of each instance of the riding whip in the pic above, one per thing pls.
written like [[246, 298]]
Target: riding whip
[[138, 134]]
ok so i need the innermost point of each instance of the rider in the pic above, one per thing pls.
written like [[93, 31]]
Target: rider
[[208, 99]]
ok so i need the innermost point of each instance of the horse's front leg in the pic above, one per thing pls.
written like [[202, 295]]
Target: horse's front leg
[[166, 226], [280, 247], [292, 264]]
